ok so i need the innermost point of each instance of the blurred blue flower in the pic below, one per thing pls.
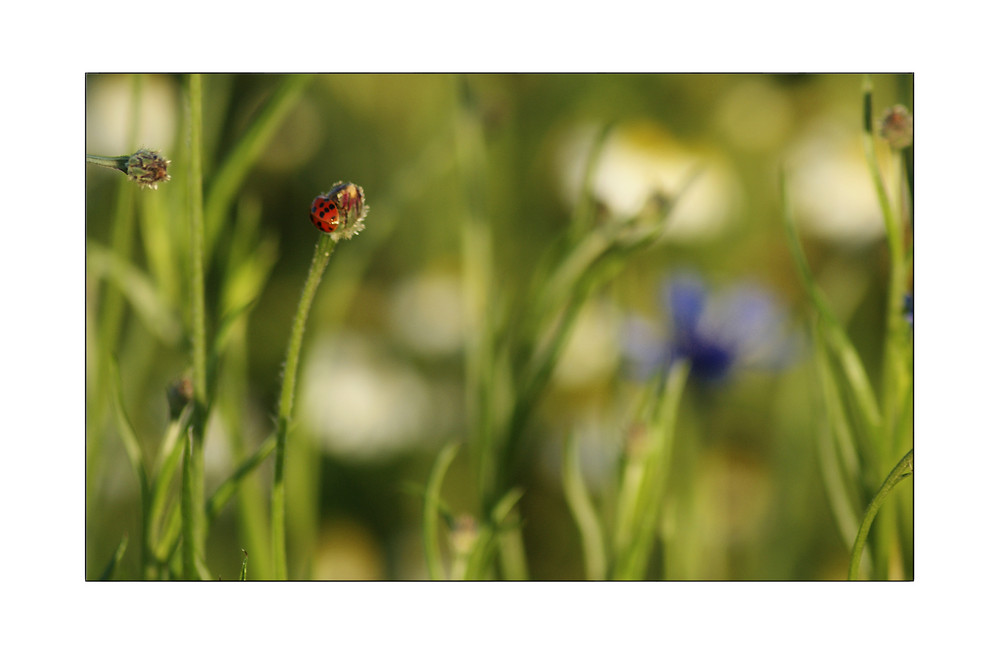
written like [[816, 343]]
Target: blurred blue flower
[[908, 308], [741, 326]]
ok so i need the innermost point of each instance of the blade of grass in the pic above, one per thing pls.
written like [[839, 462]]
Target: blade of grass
[[249, 262], [481, 556], [137, 288], [582, 215], [228, 488], [168, 541], [892, 357], [164, 470], [583, 511], [648, 502], [902, 470], [847, 356], [848, 448], [134, 451], [432, 506], [237, 164]]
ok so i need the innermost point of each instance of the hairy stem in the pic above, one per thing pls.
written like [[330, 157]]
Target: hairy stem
[[321, 257]]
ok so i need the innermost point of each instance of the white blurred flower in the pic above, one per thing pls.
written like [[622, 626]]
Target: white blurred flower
[[109, 108], [830, 189], [364, 404], [641, 161], [426, 314]]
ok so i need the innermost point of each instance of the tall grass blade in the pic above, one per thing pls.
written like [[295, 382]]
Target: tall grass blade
[[583, 511], [850, 363], [432, 506], [157, 316], [244, 155]]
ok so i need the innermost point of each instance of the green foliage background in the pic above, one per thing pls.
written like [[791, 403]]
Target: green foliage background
[[749, 449]]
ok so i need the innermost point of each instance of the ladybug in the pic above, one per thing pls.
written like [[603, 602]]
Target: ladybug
[[324, 214]]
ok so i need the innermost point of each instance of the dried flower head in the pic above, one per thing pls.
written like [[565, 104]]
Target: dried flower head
[[147, 168], [896, 126]]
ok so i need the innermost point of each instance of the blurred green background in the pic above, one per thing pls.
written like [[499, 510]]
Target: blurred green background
[[381, 380]]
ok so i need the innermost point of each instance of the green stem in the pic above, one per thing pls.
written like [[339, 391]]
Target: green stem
[[902, 470], [188, 523], [642, 499], [119, 163], [897, 258], [192, 476], [894, 370], [321, 257], [198, 338]]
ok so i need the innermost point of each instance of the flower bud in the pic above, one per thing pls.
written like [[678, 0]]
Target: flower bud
[[349, 200], [147, 168], [896, 126]]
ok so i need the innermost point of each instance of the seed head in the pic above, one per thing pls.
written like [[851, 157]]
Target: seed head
[[147, 168]]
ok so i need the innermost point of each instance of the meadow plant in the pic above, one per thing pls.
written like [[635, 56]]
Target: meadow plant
[[866, 445], [174, 521], [207, 257], [712, 335], [512, 349]]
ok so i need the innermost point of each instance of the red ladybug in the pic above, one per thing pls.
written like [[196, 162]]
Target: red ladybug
[[324, 214]]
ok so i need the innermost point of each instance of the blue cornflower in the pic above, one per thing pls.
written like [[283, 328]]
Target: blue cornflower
[[740, 326]]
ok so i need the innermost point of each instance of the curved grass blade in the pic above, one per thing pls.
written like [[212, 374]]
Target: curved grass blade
[[583, 511], [432, 501], [138, 289], [227, 488], [847, 356], [902, 470]]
